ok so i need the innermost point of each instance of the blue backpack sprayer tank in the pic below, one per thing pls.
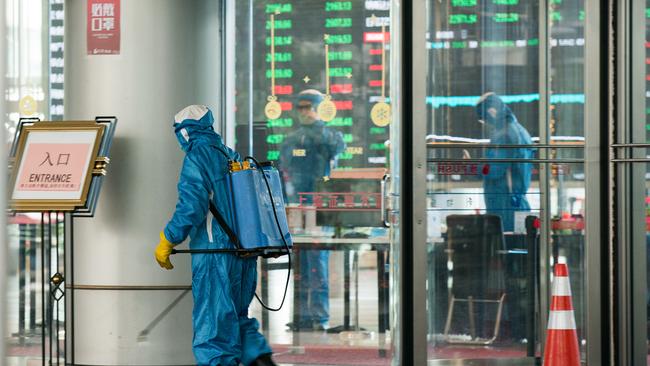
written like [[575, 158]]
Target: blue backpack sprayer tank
[[258, 215]]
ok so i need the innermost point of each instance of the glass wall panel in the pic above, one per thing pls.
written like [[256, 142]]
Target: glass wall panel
[[34, 89], [392, 189], [494, 160], [566, 128], [483, 90], [27, 61], [646, 197], [311, 80]]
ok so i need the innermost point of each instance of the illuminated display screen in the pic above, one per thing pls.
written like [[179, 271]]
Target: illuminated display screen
[[480, 46], [355, 42], [474, 46]]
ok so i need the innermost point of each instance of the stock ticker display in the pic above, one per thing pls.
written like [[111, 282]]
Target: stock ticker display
[[354, 38], [473, 46], [494, 45]]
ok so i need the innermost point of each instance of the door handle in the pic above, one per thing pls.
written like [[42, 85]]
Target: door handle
[[384, 216]]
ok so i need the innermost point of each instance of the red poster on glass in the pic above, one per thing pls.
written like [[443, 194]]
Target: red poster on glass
[[103, 27]]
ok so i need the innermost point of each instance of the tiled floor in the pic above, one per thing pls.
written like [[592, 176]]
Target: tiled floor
[[305, 348], [317, 346]]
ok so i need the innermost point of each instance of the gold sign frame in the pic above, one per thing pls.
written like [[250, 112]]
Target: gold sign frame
[[96, 166]]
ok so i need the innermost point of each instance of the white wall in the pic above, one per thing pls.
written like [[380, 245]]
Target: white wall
[[169, 59]]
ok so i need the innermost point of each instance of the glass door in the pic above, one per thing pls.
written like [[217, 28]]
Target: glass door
[[309, 90], [470, 150], [505, 180]]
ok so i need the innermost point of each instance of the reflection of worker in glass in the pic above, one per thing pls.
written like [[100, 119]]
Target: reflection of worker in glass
[[223, 285], [505, 184], [307, 156]]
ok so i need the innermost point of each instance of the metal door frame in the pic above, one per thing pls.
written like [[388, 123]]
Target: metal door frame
[[597, 203], [628, 166], [597, 234], [408, 42]]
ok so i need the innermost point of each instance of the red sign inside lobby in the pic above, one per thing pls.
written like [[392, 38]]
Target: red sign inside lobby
[[103, 27]]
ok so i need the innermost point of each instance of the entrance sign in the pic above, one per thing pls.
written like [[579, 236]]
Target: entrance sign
[[54, 165]]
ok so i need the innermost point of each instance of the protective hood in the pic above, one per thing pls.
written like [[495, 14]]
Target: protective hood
[[311, 95], [193, 125], [504, 114]]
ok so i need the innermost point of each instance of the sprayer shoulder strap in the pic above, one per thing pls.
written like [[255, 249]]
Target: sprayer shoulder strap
[[224, 226]]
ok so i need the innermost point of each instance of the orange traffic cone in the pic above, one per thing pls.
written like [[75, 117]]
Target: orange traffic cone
[[561, 337]]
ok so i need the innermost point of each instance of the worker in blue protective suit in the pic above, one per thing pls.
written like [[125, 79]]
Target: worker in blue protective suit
[[223, 284], [307, 156], [505, 184]]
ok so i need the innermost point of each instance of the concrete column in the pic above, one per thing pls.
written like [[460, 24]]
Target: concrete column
[[168, 59]]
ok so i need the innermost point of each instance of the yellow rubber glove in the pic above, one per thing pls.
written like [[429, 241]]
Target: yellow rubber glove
[[163, 250]]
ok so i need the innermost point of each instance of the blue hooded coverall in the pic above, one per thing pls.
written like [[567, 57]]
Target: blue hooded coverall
[[319, 145], [223, 285], [501, 197]]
